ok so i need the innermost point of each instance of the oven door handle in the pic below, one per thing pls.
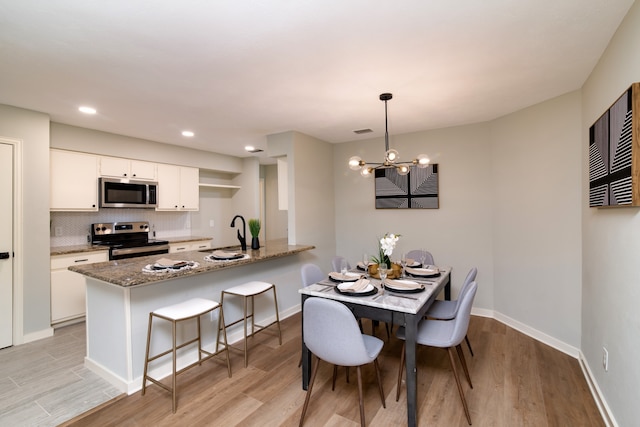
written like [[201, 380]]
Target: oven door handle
[[138, 250]]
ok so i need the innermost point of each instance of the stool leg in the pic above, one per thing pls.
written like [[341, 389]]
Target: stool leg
[[199, 342], [173, 375], [226, 347], [146, 356], [246, 357], [253, 317], [221, 323], [275, 300]]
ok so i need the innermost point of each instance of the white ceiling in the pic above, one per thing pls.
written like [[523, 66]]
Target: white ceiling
[[234, 71]]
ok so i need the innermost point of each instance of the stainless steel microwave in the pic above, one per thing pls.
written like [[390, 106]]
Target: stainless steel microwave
[[127, 193]]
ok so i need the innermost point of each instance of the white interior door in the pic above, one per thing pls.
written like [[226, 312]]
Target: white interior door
[[6, 245]]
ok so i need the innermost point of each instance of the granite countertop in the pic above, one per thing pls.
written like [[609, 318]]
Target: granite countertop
[[75, 249], [128, 272]]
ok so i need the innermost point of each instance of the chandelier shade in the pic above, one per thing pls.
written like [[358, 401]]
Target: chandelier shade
[[391, 156]]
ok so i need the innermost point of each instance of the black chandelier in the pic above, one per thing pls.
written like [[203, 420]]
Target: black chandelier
[[391, 156]]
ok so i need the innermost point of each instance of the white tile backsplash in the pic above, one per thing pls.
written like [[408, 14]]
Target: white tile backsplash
[[75, 226]]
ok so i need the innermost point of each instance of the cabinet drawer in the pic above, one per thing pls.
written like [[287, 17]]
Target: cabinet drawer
[[64, 261]]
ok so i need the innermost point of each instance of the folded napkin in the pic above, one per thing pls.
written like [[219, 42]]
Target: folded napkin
[[404, 284], [348, 277], [357, 286], [226, 255], [429, 269], [170, 263]]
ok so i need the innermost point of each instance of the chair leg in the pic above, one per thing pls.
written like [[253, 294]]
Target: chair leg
[[464, 364], [360, 396], [400, 370], [306, 399], [335, 374], [455, 374], [347, 372], [375, 363], [466, 338]]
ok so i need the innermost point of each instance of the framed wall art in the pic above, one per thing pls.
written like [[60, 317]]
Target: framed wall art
[[614, 163], [416, 190]]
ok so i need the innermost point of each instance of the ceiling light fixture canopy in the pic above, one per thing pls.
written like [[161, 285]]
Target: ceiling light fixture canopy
[[391, 156]]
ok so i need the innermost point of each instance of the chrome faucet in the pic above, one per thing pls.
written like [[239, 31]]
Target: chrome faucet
[[242, 238]]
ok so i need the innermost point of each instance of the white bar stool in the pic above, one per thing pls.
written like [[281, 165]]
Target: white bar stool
[[248, 291], [191, 309]]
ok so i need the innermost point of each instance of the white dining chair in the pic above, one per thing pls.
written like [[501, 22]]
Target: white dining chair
[[417, 254], [338, 261], [447, 310], [310, 274], [331, 333], [445, 334]]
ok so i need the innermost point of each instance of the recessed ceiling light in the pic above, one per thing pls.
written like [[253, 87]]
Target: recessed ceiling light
[[361, 131], [87, 110], [252, 149], [187, 133]]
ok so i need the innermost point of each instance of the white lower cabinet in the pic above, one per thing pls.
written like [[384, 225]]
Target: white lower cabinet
[[189, 246], [68, 289]]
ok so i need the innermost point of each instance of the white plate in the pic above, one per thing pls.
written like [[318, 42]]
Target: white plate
[[344, 287], [349, 277], [410, 285], [423, 271], [414, 264]]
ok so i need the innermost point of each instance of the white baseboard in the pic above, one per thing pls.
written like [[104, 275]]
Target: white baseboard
[[537, 335], [35, 336], [603, 407]]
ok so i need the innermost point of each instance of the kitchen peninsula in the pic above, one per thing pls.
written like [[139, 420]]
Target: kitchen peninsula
[[120, 296]]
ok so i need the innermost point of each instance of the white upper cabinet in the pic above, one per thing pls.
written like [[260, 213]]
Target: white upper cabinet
[[178, 188], [125, 168], [74, 181]]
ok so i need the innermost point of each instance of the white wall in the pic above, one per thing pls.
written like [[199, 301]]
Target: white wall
[[536, 155], [32, 293], [611, 244], [276, 219], [458, 234]]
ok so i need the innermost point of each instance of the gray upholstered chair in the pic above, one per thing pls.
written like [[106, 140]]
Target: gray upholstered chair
[[445, 334], [447, 310], [417, 254], [336, 263], [311, 274], [331, 333]]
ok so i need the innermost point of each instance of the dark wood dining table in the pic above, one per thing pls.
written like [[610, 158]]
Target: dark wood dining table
[[405, 309]]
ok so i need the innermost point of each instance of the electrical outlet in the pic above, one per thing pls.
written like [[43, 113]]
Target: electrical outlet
[[58, 231], [605, 359], [211, 222]]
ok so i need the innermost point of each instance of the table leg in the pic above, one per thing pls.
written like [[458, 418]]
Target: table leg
[[447, 289], [411, 328], [306, 354]]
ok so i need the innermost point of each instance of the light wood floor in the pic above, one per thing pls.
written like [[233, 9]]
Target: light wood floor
[[517, 381]]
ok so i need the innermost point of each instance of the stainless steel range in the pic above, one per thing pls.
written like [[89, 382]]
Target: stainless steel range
[[127, 239]]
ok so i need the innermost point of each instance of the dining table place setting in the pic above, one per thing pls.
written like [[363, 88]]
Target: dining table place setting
[[404, 286], [345, 276], [222, 256], [360, 287], [166, 265], [423, 271]]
